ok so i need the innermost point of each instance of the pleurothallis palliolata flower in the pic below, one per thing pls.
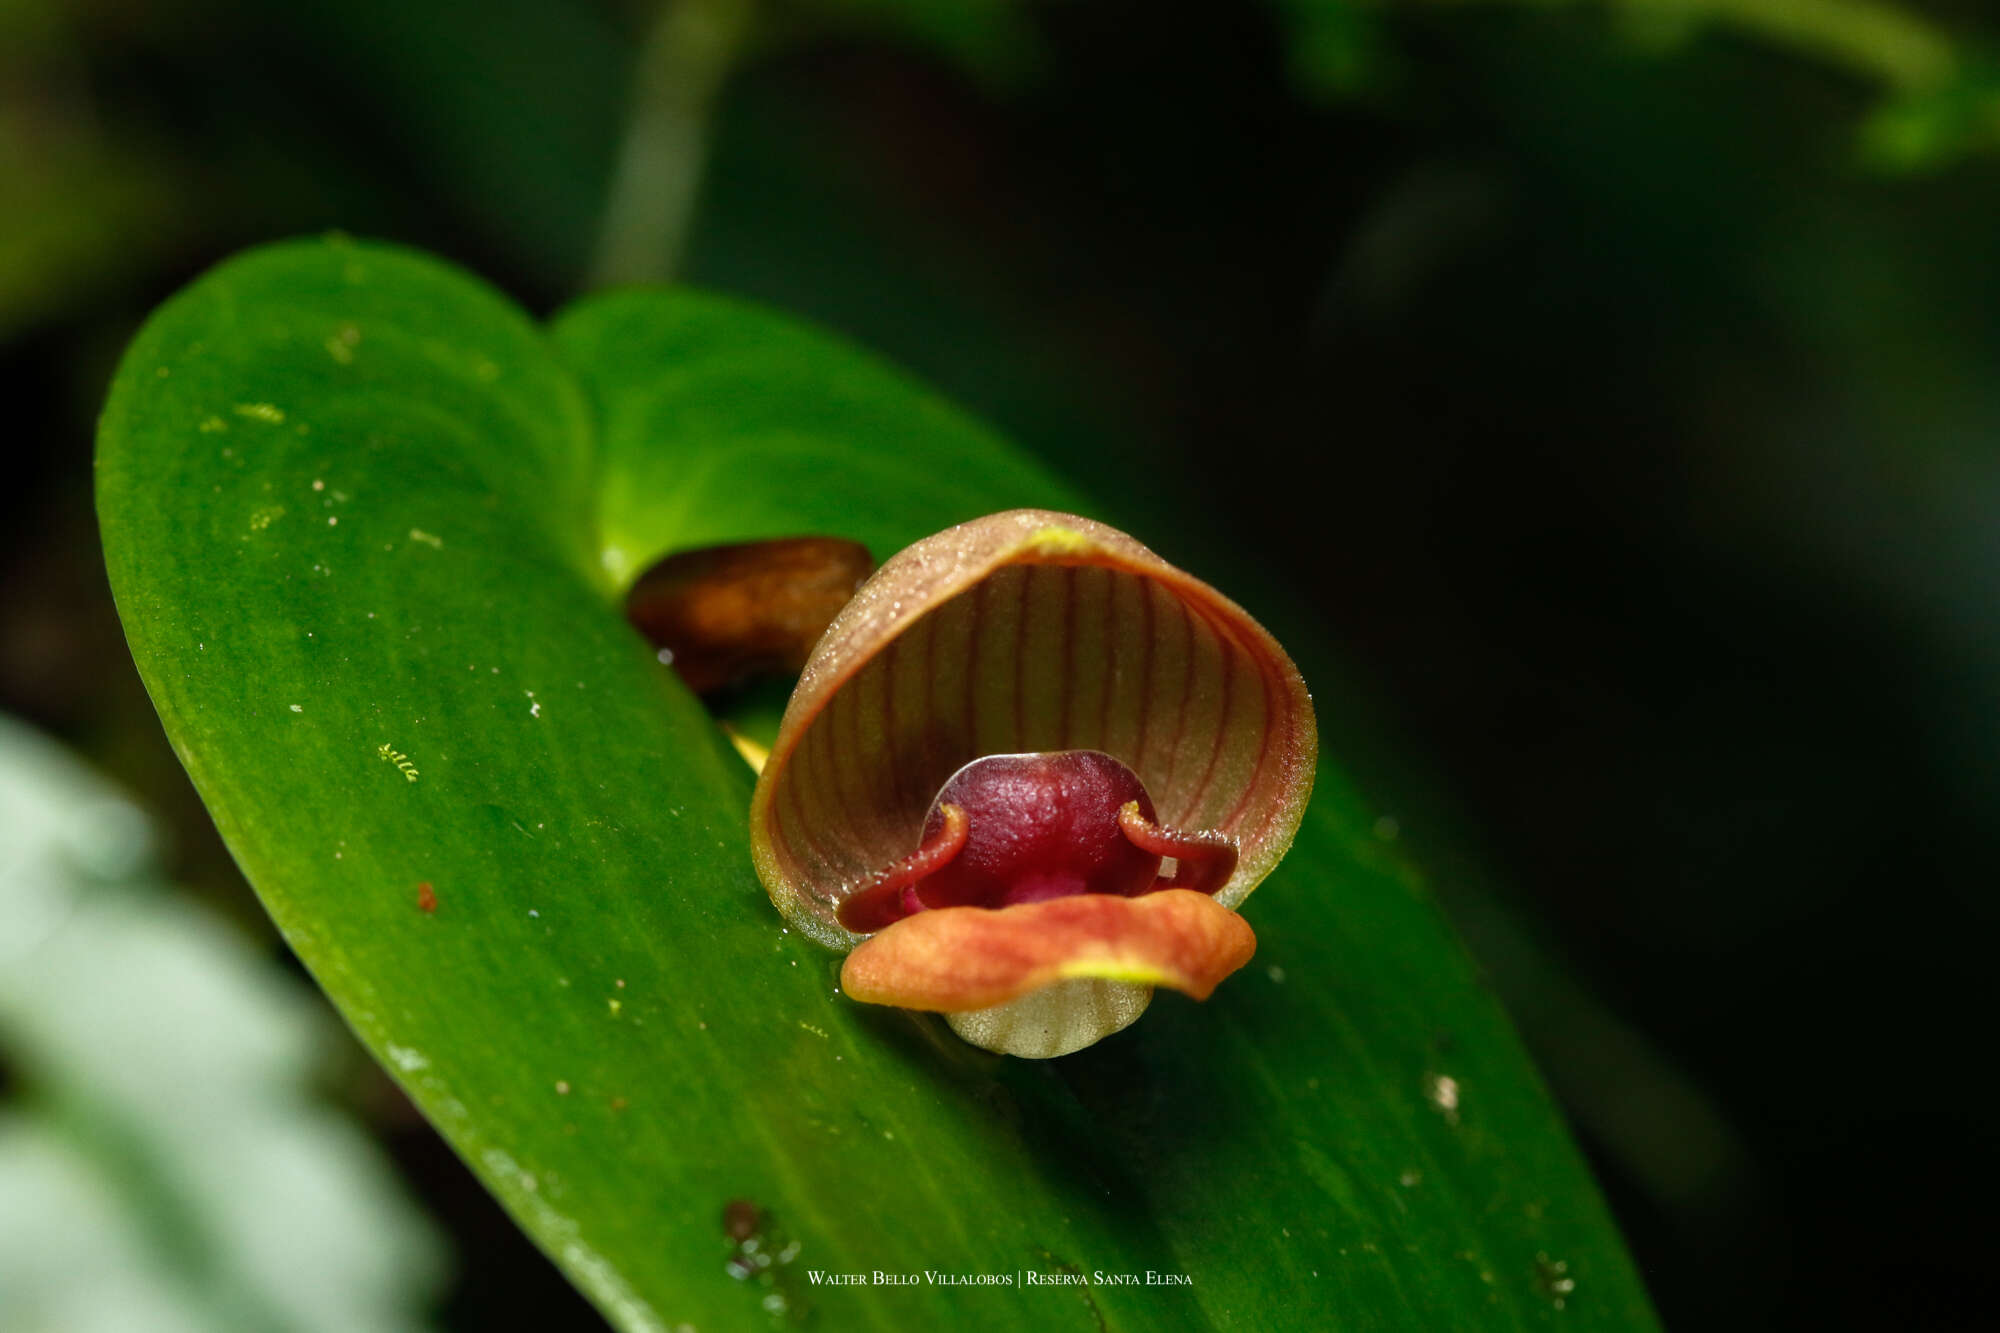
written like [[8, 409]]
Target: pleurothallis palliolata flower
[[992, 755]]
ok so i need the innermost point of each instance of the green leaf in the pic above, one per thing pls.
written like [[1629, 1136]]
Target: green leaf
[[367, 527], [1936, 124], [992, 40]]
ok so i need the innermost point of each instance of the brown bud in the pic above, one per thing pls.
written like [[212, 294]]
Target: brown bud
[[722, 614]]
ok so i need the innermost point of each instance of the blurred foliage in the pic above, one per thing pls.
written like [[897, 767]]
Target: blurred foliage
[[164, 1164], [1337, 48], [994, 41], [1939, 97], [95, 182], [1934, 123], [75, 194]]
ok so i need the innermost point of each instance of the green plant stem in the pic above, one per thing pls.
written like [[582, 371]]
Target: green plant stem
[[1881, 41], [692, 49], [1887, 42]]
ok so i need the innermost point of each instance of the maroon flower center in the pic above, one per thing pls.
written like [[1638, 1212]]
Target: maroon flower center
[[1024, 828]]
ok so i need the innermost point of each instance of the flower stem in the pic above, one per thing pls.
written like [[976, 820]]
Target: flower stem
[[688, 56]]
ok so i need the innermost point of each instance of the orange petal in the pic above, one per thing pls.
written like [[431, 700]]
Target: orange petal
[[960, 958]]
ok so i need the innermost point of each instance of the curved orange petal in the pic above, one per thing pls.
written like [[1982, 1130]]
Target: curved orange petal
[[960, 958]]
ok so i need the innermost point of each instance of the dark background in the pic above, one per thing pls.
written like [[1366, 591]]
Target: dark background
[[1617, 391]]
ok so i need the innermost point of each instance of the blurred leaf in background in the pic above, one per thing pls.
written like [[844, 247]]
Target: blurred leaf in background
[[83, 207], [165, 1163]]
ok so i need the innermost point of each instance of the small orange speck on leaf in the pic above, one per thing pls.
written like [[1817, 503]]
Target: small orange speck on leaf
[[427, 899]]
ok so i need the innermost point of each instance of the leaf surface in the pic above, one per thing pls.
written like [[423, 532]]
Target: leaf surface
[[367, 526]]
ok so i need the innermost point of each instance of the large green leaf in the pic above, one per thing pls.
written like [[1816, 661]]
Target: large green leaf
[[367, 526]]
